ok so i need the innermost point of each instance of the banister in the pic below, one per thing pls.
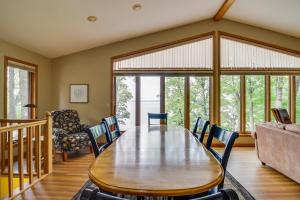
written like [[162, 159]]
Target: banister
[[36, 145]]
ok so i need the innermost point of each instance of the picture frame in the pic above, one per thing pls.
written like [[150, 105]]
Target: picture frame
[[79, 93]]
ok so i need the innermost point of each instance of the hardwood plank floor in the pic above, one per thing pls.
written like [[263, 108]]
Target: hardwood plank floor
[[65, 181], [261, 181]]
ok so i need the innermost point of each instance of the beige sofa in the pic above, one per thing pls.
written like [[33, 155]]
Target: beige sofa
[[278, 146]]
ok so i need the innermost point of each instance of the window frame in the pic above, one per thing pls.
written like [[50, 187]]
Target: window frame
[[215, 74], [33, 83]]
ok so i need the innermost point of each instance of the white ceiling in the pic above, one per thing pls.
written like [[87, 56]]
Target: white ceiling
[[277, 15], [59, 27]]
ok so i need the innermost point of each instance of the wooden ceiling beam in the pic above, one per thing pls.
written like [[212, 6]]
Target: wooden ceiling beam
[[224, 8]]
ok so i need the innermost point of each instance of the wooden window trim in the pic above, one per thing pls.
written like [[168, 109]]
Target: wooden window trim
[[33, 78]]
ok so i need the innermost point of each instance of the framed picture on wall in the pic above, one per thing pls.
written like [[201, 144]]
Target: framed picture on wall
[[79, 93]]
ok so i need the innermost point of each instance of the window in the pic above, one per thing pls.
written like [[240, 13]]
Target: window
[[199, 99], [176, 79], [255, 101], [17, 93], [150, 97], [125, 101], [230, 102], [174, 100], [279, 92], [241, 54], [20, 89], [196, 54]]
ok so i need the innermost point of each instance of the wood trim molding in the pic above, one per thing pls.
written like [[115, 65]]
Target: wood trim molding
[[267, 98], [292, 98], [187, 102], [138, 101], [242, 103], [162, 94], [223, 9]]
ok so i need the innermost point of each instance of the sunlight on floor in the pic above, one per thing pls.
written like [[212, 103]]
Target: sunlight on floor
[[4, 185]]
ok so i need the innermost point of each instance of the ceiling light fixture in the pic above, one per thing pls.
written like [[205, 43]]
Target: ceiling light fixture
[[92, 18], [136, 7]]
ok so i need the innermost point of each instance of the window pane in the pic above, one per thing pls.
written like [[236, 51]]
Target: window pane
[[230, 102], [255, 101], [17, 93], [279, 92], [196, 54], [150, 97], [174, 100], [298, 99], [125, 101], [239, 54], [199, 99]]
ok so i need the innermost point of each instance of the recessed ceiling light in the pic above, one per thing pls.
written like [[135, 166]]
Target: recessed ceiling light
[[137, 7], [92, 18]]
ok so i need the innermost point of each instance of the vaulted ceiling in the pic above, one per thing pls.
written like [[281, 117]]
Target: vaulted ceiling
[[59, 27]]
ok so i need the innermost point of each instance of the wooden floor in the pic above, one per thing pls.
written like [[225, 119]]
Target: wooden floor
[[261, 181]]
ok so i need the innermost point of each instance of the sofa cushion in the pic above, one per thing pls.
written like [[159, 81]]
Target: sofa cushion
[[293, 128]]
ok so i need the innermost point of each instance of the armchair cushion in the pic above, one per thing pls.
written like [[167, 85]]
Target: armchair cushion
[[67, 120]]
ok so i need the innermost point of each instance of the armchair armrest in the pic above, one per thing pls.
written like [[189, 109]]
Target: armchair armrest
[[59, 135], [84, 127]]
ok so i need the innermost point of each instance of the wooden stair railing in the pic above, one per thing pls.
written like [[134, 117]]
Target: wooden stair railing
[[30, 139]]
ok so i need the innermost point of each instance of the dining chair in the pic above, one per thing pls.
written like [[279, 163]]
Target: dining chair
[[223, 194], [112, 127], [93, 193], [163, 117], [225, 137], [94, 134], [200, 128]]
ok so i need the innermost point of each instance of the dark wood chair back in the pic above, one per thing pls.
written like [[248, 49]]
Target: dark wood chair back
[[163, 117], [227, 138], [113, 128], [94, 134], [200, 129]]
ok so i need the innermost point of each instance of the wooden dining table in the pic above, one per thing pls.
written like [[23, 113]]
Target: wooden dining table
[[156, 161]]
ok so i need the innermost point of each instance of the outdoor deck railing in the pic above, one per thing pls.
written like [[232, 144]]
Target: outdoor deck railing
[[26, 152]]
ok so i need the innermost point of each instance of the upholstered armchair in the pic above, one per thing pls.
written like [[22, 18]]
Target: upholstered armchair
[[69, 134]]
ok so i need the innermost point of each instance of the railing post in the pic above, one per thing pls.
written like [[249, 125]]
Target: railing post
[[48, 144]]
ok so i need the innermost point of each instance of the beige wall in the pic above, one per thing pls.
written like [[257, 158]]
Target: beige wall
[[93, 66], [44, 75]]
